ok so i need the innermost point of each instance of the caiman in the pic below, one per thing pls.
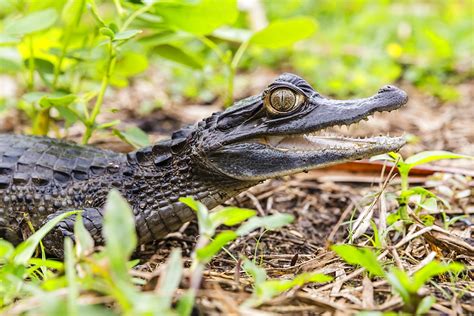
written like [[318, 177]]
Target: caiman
[[278, 132]]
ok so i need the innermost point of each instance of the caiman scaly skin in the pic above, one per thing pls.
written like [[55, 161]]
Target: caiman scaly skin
[[275, 133]]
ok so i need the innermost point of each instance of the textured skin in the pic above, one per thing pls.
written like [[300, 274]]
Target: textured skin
[[213, 160], [42, 177]]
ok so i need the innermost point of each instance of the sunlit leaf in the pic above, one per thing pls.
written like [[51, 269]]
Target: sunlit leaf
[[134, 136], [432, 269], [33, 22], [429, 156], [360, 256], [125, 35], [26, 249], [425, 305], [200, 18], [84, 241], [119, 228], [231, 216], [284, 33], [206, 253], [178, 55], [170, 278]]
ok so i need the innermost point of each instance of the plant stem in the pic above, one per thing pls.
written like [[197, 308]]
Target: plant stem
[[90, 123], [232, 67], [67, 40], [31, 65], [133, 16]]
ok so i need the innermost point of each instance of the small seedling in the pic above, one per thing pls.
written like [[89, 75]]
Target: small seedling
[[408, 288]]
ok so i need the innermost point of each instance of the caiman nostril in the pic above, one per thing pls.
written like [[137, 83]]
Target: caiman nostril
[[387, 88]]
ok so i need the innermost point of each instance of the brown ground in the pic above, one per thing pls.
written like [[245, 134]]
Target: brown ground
[[323, 204]]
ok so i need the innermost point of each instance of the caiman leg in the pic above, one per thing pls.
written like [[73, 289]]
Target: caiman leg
[[92, 219]]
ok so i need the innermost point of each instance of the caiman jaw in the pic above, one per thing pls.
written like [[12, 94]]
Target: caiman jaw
[[284, 133]]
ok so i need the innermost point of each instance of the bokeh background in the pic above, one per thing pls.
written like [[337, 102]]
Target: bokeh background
[[171, 63]]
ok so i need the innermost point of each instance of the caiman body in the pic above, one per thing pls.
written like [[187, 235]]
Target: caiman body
[[276, 133]]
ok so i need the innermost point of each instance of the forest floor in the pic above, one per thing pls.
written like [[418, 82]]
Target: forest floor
[[325, 203]]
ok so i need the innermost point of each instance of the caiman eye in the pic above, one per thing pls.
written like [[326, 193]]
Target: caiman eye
[[283, 100]]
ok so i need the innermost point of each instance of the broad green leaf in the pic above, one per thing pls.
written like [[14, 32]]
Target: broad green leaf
[[430, 204], [164, 37], [271, 222], [72, 283], [6, 40], [284, 33], [170, 278], [231, 216], [360, 256], [33, 97], [6, 249], [429, 156], [41, 65], [72, 10], [178, 55], [26, 249], [106, 31], [134, 136], [84, 241], [199, 18], [206, 253], [125, 35], [49, 101], [258, 274], [204, 221], [9, 65], [130, 64], [425, 305], [400, 283], [186, 303], [50, 264], [119, 228], [302, 279], [432, 269], [33, 22]]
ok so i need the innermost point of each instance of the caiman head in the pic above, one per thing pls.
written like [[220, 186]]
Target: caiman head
[[282, 131]]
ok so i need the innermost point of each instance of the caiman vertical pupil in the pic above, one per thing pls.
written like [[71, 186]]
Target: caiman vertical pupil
[[283, 100]]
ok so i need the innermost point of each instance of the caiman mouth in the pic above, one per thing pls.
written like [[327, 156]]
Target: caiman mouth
[[312, 142], [292, 136]]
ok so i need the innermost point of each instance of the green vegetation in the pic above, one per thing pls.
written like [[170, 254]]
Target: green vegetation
[[408, 288], [67, 54]]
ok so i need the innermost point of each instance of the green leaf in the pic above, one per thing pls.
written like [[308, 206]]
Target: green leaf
[[429, 156], [41, 65], [430, 204], [198, 18], [25, 250], [425, 305], [72, 284], [231, 216], [284, 33], [304, 278], [258, 274], [400, 283], [130, 64], [204, 221], [170, 278], [134, 136], [6, 39], [360, 256], [119, 228], [33, 22], [106, 31], [126, 35], [178, 55], [271, 222], [432, 269], [206, 253], [49, 101], [6, 249], [84, 241]]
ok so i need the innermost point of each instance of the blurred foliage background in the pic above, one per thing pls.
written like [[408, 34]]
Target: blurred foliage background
[[65, 54]]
